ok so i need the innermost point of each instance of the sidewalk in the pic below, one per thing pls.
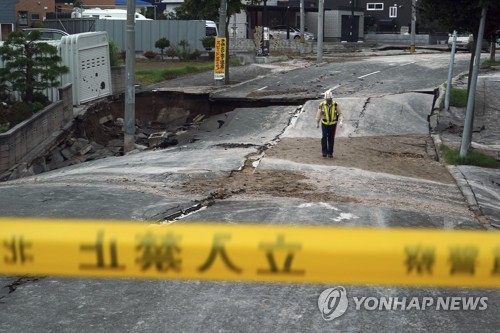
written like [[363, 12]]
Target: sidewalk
[[480, 186]]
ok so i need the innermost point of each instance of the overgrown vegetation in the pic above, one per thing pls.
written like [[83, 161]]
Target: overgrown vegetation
[[452, 156]]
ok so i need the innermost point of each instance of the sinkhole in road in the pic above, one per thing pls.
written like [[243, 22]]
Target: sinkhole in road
[[97, 131], [160, 114]]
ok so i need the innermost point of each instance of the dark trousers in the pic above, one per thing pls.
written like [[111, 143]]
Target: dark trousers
[[328, 138]]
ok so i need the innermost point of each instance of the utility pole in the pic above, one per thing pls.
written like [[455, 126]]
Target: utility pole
[[413, 25], [319, 45], [129, 130], [265, 31], [222, 34], [351, 39], [222, 18], [450, 72], [302, 28], [469, 115]]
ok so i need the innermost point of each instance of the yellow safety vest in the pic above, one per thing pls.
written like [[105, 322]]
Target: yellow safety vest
[[330, 115]]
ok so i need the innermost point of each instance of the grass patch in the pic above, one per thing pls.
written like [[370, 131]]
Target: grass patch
[[151, 76], [158, 74], [452, 156], [490, 63], [458, 97]]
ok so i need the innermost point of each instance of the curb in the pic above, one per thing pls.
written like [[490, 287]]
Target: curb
[[461, 181], [469, 196]]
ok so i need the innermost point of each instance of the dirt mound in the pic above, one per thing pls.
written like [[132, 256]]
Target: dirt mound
[[397, 155]]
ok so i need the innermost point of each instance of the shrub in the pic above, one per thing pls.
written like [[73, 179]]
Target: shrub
[[39, 102], [171, 52], [21, 111], [113, 54], [195, 55], [208, 42], [161, 44], [183, 50], [150, 54]]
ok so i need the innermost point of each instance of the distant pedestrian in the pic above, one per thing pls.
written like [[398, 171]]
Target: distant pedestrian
[[328, 113]]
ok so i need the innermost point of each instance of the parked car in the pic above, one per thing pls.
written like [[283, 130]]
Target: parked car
[[465, 42], [47, 33], [279, 31]]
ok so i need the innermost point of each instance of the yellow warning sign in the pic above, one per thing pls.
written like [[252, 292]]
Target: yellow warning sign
[[302, 254], [220, 58]]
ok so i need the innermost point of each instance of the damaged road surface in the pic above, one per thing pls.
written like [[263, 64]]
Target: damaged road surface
[[260, 165]]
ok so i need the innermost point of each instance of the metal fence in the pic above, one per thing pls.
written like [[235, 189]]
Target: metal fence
[[146, 32]]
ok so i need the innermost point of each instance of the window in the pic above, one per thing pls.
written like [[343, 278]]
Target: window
[[375, 6], [35, 16], [23, 18], [393, 11]]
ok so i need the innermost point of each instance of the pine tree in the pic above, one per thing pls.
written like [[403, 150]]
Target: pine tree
[[29, 65]]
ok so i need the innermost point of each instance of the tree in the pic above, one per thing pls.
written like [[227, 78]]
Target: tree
[[78, 4], [29, 65], [209, 10], [461, 15], [162, 44], [465, 15]]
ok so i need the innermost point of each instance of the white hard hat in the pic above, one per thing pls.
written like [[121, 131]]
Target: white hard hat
[[328, 95]]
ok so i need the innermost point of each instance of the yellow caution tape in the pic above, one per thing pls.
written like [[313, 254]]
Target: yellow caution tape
[[250, 253]]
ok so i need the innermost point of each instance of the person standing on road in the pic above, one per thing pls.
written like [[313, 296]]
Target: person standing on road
[[328, 113]]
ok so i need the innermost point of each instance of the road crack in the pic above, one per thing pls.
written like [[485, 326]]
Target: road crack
[[10, 288]]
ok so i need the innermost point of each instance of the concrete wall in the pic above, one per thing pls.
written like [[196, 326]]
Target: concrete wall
[[19, 141], [245, 49], [397, 39]]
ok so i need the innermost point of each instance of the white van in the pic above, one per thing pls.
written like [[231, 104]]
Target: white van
[[211, 29], [106, 14]]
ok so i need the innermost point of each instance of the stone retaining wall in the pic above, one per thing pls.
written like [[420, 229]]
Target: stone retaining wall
[[19, 141]]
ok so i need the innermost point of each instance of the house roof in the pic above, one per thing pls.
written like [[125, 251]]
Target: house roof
[[138, 3]]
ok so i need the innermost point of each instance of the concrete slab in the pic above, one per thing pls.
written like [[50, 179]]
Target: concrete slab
[[485, 183]]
